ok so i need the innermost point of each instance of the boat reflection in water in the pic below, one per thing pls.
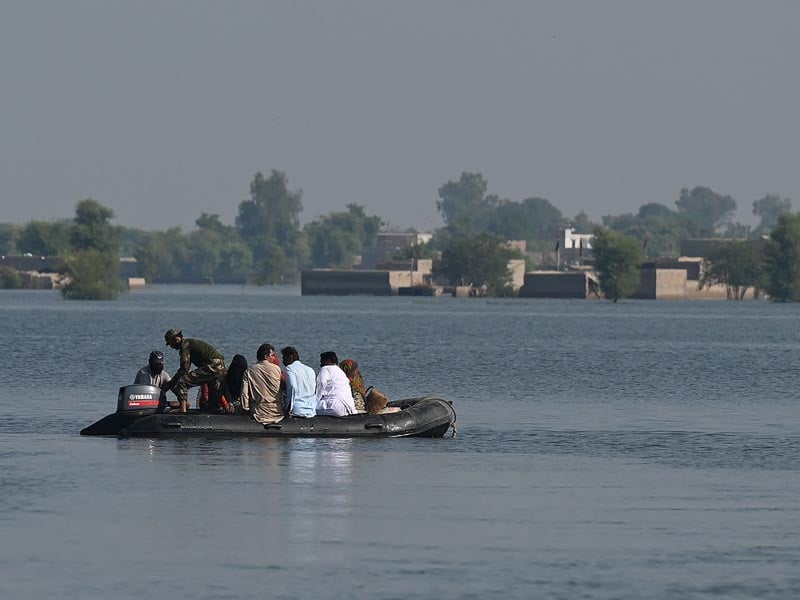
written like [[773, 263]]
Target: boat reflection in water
[[318, 468]]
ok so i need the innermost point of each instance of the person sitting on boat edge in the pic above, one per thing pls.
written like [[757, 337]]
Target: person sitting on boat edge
[[208, 360], [153, 373], [276, 361], [357, 387], [366, 399], [301, 397], [261, 388], [333, 388], [232, 384]]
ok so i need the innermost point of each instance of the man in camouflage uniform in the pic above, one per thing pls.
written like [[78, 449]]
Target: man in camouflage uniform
[[209, 362]]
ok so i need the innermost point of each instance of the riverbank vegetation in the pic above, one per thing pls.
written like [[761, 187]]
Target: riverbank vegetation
[[266, 243], [782, 260], [737, 265], [617, 261]]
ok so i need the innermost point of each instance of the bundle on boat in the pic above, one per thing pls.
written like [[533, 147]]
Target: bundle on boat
[[139, 414]]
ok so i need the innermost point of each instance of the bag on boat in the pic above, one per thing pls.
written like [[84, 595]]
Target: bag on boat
[[375, 401]]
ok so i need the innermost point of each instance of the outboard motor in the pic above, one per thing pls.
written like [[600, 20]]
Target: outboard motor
[[140, 400], [133, 403]]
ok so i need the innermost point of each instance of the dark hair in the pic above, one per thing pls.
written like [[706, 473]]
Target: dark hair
[[290, 353], [329, 358], [263, 351], [234, 376]]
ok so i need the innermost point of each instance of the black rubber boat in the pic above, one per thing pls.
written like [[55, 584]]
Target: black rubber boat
[[140, 414]]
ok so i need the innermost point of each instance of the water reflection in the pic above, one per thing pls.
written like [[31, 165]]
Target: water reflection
[[666, 459], [319, 496]]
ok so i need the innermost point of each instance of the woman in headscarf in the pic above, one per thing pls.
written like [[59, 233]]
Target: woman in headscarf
[[350, 368], [232, 384]]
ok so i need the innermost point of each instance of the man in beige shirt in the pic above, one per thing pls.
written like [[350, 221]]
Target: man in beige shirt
[[262, 396]]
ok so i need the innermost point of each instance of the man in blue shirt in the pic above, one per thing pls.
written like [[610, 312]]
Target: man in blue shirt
[[301, 397]]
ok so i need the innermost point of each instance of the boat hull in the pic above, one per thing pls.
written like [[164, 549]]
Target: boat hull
[[418, 417]]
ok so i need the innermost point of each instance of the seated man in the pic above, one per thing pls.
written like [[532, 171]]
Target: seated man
[[333, 388], [153, 373], [261, 388], [209, 362], [301, 397]]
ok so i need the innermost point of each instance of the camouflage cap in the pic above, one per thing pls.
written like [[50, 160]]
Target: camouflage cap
[[172, 334]]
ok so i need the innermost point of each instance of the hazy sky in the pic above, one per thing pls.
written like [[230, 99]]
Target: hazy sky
[[163, 110]]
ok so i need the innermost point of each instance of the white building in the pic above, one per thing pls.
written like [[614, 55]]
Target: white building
[[570, 240]]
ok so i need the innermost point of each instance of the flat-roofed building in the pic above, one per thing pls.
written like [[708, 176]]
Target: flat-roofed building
[[390, 243]]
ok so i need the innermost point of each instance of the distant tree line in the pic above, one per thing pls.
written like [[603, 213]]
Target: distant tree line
[[769, 264], [88, 245], [266, 243]]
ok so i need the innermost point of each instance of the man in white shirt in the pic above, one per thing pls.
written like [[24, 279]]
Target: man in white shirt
[[153, 373], [334, 396], [301, 395]]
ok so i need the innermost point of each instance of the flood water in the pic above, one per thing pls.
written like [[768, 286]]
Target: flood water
[[633, 450]]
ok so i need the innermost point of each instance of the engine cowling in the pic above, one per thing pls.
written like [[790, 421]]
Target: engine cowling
[[139, 399]]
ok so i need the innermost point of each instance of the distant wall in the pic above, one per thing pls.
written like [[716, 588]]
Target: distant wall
[[128, 266], [516, 267], [701, 247], [555, 284], [33, 280], [661, 284], [341, 282], [387, 243], [41, 264], [420, 268], [692, 266]]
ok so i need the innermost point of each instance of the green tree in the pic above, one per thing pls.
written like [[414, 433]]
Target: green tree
[[656, 224], [276, 267], [92, 267], [92, 228], [531, 219], [8, 233], [204, 257], [9, 278], [212, 224], [132, 240], [216, 252], [235, 258], [164, 256], [44, 238], [476, 260], [782, 261], [269, 224], [706, 207], [738, 265], [582, 224], [336, 239], [235, 261], [769, 209], [617, 259], [91, 275], [737, 231], [464, 204]]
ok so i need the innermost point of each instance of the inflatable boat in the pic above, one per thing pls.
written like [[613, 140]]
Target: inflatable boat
[[141, 413]]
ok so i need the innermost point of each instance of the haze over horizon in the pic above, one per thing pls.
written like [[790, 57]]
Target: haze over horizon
[[165, 111]]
